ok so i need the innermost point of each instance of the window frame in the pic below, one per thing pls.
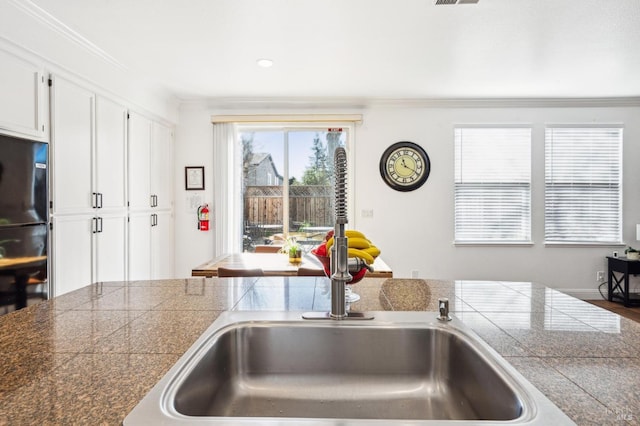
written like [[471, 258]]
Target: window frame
[[495, 242], [577, 242], [347, 127]]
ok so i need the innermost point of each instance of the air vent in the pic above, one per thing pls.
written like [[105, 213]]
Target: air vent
[[456, 1]]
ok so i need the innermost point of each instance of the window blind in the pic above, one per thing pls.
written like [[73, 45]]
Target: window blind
[[583, 182], [492, 185]]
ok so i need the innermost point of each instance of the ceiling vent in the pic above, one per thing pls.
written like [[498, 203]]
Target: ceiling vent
[[456, 1]]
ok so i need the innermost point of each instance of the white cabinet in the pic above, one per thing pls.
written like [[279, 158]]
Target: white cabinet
[[150, 158], [109, 160], [88, 187], [22, 103], [87, 249], [162, 244], [151, 245], [112, 195], [110, 256], [72, 139], [150, 164], [139, 264], [139, 162], [72, 252], [89, 140], [162, 166]]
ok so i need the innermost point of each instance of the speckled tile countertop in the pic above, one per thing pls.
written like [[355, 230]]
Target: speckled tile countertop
[[88, 357]]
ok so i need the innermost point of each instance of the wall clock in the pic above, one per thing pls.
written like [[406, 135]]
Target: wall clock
[[405, 166]]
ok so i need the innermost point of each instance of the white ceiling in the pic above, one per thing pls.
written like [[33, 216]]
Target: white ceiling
[[366, 49]]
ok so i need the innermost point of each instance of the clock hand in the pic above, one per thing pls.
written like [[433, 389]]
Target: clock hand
[[407, 167]]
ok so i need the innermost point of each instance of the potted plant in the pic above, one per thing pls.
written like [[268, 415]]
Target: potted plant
[[293, 250], [632, 254]]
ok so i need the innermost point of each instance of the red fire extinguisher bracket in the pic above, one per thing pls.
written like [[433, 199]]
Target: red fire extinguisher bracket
[[203, 217]]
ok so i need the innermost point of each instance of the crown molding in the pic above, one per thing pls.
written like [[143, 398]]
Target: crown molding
[[54, 24], [231, 103]]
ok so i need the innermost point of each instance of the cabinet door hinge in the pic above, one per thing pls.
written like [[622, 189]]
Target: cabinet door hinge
[[51, 226], [51, 204], [127, 116], [50, 82]]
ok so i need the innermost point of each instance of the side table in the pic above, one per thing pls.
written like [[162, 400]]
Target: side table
[[618, 286]]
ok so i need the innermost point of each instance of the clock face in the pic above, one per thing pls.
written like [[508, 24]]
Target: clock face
[[405, 166]]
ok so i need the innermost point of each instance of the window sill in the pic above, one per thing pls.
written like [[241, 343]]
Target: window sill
[[582, 244], [493, 243]]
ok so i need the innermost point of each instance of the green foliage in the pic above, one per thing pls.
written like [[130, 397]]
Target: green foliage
[[317, 173]]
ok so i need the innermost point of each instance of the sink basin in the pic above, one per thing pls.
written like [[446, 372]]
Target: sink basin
[[401, 367]]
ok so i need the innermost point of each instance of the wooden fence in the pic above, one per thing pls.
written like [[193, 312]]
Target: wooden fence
[[309, 205]]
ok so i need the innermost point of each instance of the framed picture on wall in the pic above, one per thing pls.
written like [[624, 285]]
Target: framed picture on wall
[[194, 178]]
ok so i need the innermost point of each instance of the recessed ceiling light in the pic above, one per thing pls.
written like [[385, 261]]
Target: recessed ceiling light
[[264, 63]]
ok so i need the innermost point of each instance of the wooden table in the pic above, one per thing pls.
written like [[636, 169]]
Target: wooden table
[[20, 268], [275, 265]]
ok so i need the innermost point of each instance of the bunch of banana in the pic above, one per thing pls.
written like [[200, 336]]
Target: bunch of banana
[[358, 246]]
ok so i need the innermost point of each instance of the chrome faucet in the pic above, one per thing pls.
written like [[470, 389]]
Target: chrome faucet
[[339, 251], [443, 307], [341, 265]]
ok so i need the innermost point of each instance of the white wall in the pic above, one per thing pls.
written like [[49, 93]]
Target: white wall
[[193, 147], [415, 229]]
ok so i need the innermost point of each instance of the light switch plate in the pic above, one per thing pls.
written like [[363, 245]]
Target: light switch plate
[[366, 213]]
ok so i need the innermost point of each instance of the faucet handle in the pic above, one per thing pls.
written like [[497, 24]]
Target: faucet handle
[[443, 307]]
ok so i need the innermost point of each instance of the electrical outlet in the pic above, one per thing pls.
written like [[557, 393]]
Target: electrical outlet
[[415, 273], [600, 276], [366, 213]]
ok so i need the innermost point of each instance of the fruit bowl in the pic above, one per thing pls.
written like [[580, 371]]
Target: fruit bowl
[[326, 264]]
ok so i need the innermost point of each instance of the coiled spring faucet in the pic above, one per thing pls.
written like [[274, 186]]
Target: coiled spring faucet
[[340, 275], [339, 251]]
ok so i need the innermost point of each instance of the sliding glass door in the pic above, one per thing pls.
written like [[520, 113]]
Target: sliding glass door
[[287, 183]]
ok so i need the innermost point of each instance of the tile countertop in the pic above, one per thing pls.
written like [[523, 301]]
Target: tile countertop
[[89, 356]]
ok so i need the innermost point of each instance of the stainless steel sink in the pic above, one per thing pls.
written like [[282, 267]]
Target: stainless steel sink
[[402, 367]]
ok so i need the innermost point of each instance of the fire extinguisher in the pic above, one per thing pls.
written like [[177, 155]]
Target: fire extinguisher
[[203, 217]]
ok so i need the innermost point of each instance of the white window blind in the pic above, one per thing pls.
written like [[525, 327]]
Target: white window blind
[[583, 182], [492, 185]]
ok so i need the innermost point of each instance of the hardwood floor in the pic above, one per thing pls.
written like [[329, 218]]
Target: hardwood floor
[[618, 308]]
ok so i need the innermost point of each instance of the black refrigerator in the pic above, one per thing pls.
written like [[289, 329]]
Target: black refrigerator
[[23, 220]]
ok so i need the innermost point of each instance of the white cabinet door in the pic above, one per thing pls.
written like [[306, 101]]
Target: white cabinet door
[[72, 253], [139, 162], [72, 140], [110, 154], [22, 101], [151, 245], [110, 253], [140, 246], [162, 246], [162, 166]]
